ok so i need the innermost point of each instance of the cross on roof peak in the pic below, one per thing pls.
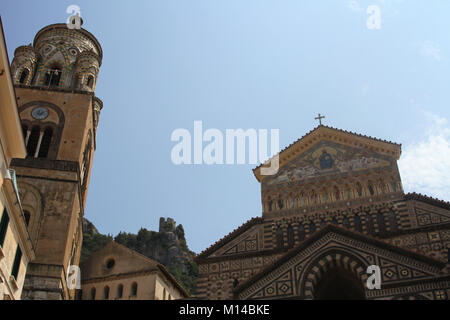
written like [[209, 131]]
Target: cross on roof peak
[[319, 117]]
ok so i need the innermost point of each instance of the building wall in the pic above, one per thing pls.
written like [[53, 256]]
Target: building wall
[[149, 287], [11, 289], [11, 146], [164, 290]]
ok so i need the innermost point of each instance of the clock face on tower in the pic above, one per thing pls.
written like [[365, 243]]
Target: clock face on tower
[[39, 113]]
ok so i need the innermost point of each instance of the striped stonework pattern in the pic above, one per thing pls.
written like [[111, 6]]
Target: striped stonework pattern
[[217, 280], [394, 219], [298, 276]]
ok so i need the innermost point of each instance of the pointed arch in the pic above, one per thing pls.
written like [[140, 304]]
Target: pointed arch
[[357, 223], [371, 188], [337, 193], [312, 227], [24, 76], [279, 238], [392, 217], [369, 223], [270, 205], [90, 81], [52, 76], [280, 203], [346, 222], [301, 232], [290, 236], [381, 223], [348, 192], [359, 189]]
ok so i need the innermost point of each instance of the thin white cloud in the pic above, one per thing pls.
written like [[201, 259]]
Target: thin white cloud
[[425, 165], [430, 49]]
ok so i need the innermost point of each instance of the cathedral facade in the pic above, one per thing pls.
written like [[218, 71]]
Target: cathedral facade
[[335, 208], [55, 79]]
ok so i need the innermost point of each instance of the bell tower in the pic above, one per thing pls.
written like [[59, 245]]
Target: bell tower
[[55, 80]]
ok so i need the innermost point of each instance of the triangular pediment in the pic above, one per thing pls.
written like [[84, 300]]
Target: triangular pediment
[[245, 239], [294, 273], [330, 148], [329, 158]]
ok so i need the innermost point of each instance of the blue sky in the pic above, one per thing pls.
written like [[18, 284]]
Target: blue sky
[[248, 64]]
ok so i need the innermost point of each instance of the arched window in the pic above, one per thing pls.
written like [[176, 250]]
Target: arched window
[[303, 199], [369, 224], [325, 195], [382, 186], [358, 223], [292, 202], [33, 141], [337, 193], [164, 294], [27, 216], [52, 77], [270, 204], [359, 189], [392, 221], [106, 293], [23, 76], [312, 227], [313, 197], [348, 192], [119, 291], [280, 204], [279, 238], [393, 186], [370, 187], [346, 222], [93, 291], [301, 232], [290, 236], [134, 289], [45, 143], [381, 223], [90, 81]]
